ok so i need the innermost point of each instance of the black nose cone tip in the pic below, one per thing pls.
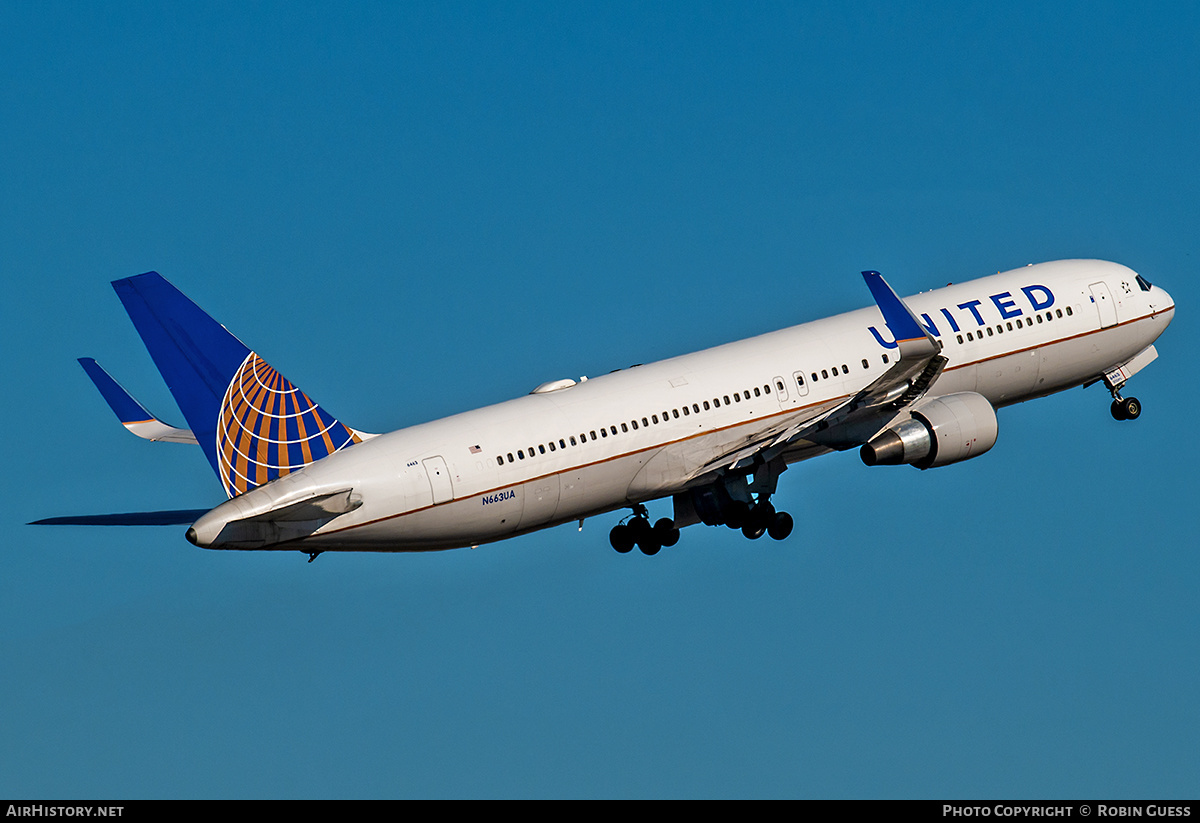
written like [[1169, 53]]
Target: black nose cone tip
[[191, 536]]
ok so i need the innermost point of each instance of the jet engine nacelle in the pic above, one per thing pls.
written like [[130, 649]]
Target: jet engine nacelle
[[941, 431]]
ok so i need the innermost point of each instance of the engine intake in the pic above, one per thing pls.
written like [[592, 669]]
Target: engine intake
[[941, 431]]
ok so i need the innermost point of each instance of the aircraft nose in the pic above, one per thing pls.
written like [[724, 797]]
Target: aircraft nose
[[1164, 303]]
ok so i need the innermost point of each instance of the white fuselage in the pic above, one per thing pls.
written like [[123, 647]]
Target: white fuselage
[[642, 433]]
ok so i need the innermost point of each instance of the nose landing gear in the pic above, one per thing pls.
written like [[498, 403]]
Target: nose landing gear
[[1125, 408], [1122, 408]]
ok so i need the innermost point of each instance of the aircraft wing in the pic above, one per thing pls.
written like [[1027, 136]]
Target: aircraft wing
[[852, 422]]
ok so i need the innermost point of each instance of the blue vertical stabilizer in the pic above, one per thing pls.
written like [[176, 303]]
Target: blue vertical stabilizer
[[252, 423]]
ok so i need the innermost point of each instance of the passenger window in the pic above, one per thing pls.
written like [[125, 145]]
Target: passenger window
[[499, 460], [706, 407], [865, 365], [510, 457], [696, 407], [686, 411], [542, 449], [520, 454], [825, 373]]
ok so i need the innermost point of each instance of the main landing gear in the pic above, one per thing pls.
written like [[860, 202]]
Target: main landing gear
[[739, 502], [744, 502], [759, 519], [639, 532]]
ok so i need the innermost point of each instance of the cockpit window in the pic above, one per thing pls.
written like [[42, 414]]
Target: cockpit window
[[1143, 283]]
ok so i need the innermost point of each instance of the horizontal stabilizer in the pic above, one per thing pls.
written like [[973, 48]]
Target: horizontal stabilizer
[[321, 507], [273, 526], [176, 517], [130, 412]]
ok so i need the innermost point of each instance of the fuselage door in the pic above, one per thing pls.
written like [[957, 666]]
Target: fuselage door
[[801, 383], [781, 392], [1104, 304], [439, 479]]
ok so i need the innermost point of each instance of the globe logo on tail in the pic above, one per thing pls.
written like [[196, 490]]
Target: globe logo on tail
[[267, 428]]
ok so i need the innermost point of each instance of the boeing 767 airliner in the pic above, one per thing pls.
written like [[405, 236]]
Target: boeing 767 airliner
[[912, 381]]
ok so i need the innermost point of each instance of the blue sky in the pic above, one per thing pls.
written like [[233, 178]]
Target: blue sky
[[413, 209]]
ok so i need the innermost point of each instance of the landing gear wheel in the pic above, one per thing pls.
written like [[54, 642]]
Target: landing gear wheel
[[781, 526], [1126, 408], [754, 530], [737, 515], [666, 532], [621, 538], [758, 520], [643, 534]]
